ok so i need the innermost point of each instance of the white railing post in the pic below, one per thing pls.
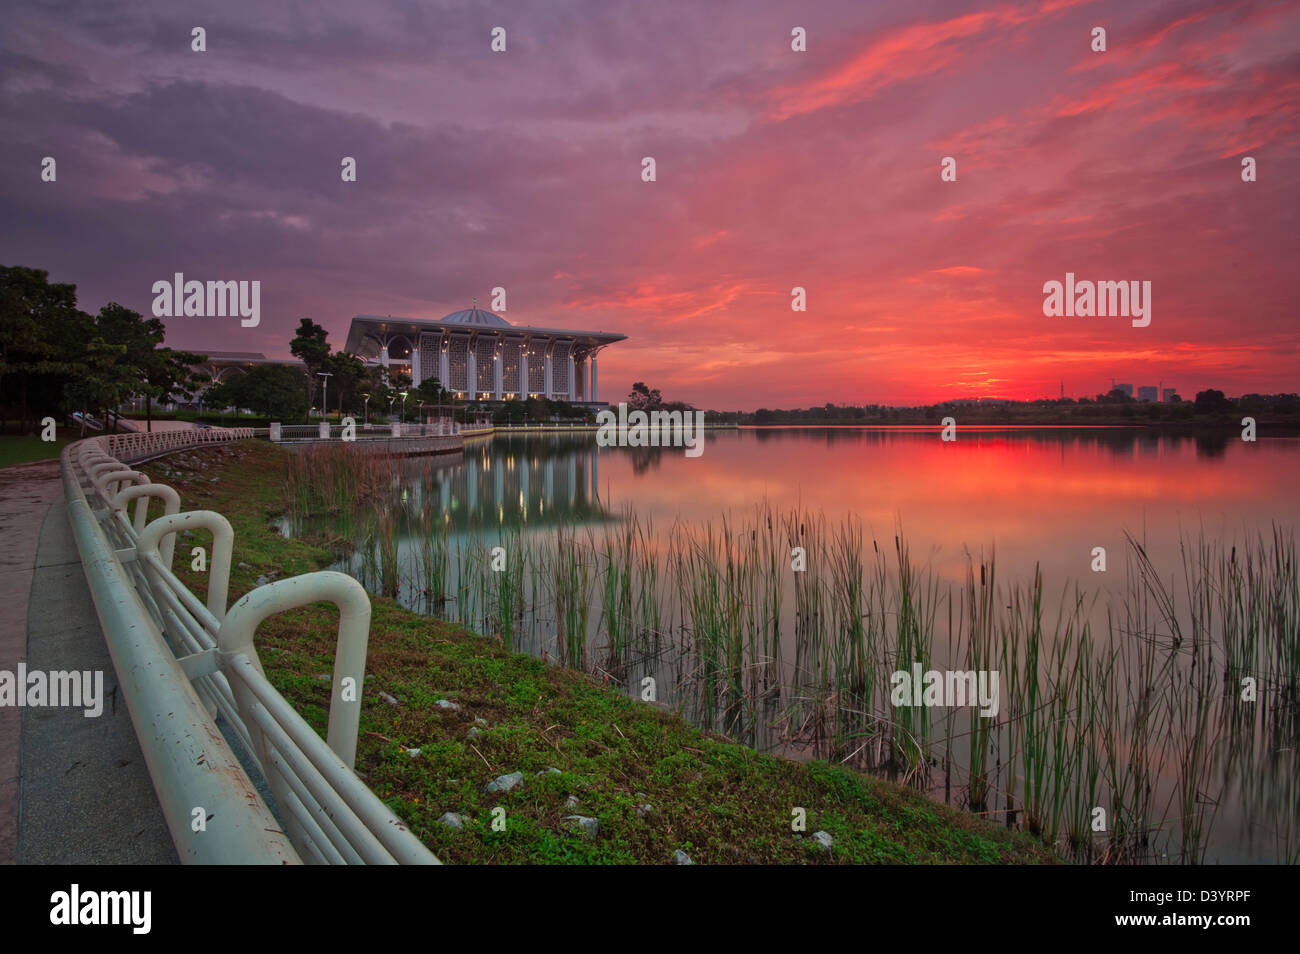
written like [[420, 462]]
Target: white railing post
[[236, 637], [152, 542]]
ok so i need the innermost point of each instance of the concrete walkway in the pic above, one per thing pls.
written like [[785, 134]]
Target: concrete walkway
[[26, 492], [73, 790]]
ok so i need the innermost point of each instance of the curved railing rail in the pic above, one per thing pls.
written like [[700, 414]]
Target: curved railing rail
[[182, 661], [287, 433]]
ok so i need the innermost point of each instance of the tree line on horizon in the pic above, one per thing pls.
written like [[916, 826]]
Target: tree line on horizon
[[1115, 405]]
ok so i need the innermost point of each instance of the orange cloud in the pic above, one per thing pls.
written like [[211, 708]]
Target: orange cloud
[[912, 51]]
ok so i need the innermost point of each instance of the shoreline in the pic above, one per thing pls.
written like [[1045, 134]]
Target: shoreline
[[474, 713]]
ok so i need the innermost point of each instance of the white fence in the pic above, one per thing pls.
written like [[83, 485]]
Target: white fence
[[288, 433], [182, 660]]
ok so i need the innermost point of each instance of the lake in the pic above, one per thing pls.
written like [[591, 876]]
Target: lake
[[643, 563]]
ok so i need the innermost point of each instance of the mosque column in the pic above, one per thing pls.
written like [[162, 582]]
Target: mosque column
[[523, 372], [593, 396], [573, 382], [548, 358], [444, 368], [498, 370], [416, 374], [471, 371]]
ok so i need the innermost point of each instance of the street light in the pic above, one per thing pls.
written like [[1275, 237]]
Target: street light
[[325, 393], [367, 397], [402, 411]]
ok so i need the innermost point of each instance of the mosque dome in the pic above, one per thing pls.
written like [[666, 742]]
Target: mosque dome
[[476, 316]]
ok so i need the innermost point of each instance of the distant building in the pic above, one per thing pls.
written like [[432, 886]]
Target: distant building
[[479, 355], [1169, 394], [1125, 389], [221, 365], [1149, 393]]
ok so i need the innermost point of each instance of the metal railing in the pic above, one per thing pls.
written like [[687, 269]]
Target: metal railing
[[323, 431], [182, 660]]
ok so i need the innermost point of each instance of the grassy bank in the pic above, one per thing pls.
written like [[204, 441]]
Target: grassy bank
[[718, 801], [24, 449]]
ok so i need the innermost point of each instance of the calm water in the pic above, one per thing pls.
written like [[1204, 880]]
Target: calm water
[[1038, 497]]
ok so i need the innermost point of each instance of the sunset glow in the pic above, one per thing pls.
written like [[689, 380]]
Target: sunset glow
[[776, 169]]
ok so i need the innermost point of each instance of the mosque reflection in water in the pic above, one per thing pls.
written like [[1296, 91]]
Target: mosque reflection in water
[[511, 481]]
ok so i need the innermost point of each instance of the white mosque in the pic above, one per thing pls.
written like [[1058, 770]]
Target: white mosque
[[478, 355]]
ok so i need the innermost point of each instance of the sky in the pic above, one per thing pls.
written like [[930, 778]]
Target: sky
[[774, 169]]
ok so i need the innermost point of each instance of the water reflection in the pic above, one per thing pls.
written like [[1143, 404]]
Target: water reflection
[[512, 481], [622, 561]]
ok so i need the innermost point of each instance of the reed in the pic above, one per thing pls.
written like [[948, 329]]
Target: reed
[[570, 581], [1131, 702]]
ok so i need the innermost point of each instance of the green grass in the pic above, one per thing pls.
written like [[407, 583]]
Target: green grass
[[28, 448], [721, 802]]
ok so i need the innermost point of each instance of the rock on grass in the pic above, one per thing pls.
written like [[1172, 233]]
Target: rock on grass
[[504, 783], [585, 825]]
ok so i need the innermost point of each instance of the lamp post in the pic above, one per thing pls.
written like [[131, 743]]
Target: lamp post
[[325, 393], [367, 415], [401, 413]]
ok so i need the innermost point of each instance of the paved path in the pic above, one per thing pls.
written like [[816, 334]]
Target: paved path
[[79, 786], [26, 492]]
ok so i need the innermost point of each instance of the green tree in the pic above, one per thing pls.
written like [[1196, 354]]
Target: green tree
[[642, 398], [1211, 401], [43, 340], [105, 381], [169, 372], [309, 345], [272, 390], [375, 384], [348, 380], [140, 338], [537, 409], [431, 391]]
